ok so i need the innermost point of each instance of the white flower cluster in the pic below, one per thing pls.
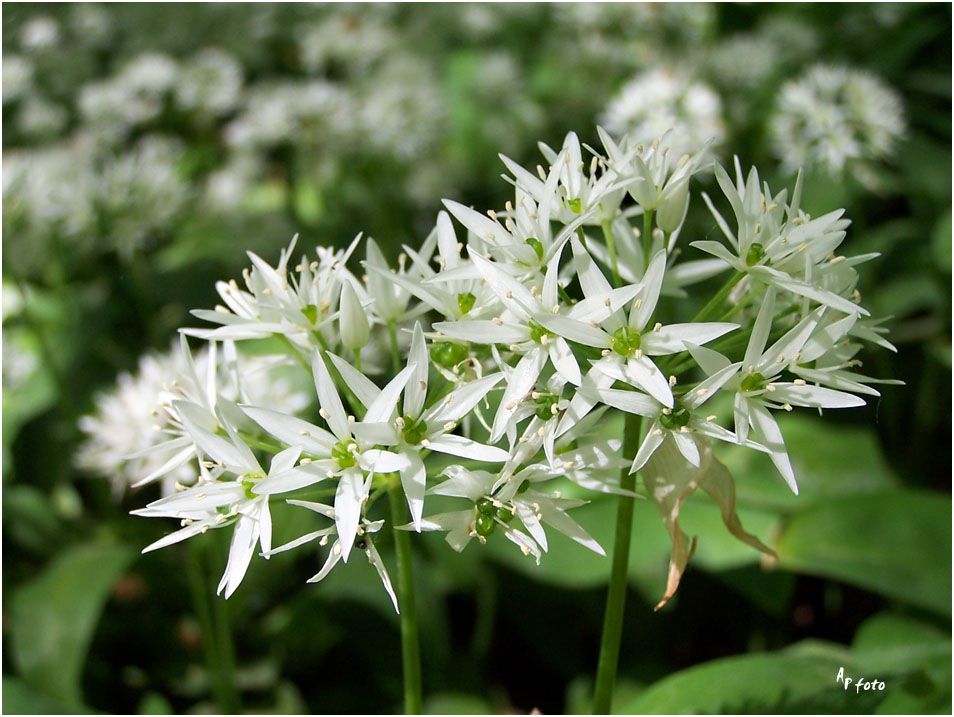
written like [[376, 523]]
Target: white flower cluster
[[833, 115], [659, 100], [543, 325]]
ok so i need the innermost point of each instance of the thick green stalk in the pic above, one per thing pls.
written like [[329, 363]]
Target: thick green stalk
[[647, 236], [223, 689], [616, 596], [410, 648], [611, 246]]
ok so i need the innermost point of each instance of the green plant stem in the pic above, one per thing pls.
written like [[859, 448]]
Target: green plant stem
[[716, 301], [295, 352], [410, 648], [616, 596], [223, 689], [395, 350], [611, 246], [357, 359]]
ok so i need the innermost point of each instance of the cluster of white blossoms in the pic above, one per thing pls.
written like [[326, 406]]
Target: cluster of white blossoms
[[503, 342], [833, 115], [660, 100]]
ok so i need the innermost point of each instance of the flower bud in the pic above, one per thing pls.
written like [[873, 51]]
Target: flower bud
[[673, 208], [352, 319]]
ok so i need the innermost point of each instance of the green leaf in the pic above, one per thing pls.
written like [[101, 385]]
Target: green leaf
[[54, 615], [800, 679], [20, 698], [828, 460], [897, 543]]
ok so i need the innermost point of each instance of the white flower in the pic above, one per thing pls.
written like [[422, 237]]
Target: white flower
[[216, 503], [209, 83], [496, 505], [576, 193], [758, 389], [414, 429], [447, 292], [776, 242], [363, 542], [833, 115], [682, 423], [662, 100], [524, 326], [627, 345], [654, 177], [346, 453]]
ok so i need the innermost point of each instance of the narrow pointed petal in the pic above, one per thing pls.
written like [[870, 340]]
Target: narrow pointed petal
[[466, 448], [416, 388], [652, 284], [769, 434], [413, 480], [348, 508], [673, 338], [654, 438], [374, 557], [329, 400], [384, 406], [564, 361], [642, 373], [523, 378]]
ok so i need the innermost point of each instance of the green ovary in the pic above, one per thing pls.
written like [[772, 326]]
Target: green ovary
[[675, 420], [415, 430], [465, 302], [537, 332], [447, 354], [342, 456], [626, 341], [753, 382]]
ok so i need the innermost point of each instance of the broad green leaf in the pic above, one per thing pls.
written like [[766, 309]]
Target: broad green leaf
[[798, 680], [890, 642], [828, 460], [54, 615], [897, 543], [20, 698]]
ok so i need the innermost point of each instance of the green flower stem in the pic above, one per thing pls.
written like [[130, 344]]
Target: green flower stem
[[743, 303], [410, 648], [223, 689], [717, 300], [357, 359], [616, 596], [611, 246], [647, 236], [295, 352], [395, 351]]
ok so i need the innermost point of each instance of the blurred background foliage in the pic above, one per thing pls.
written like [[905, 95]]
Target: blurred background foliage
[[147, 147]]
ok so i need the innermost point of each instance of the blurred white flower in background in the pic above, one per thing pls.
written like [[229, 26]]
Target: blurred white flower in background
[[141, 191], [39, 33], [130, 423], [659, 100], [210, 83], [39, 118], [833, 115], [17, 77]]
